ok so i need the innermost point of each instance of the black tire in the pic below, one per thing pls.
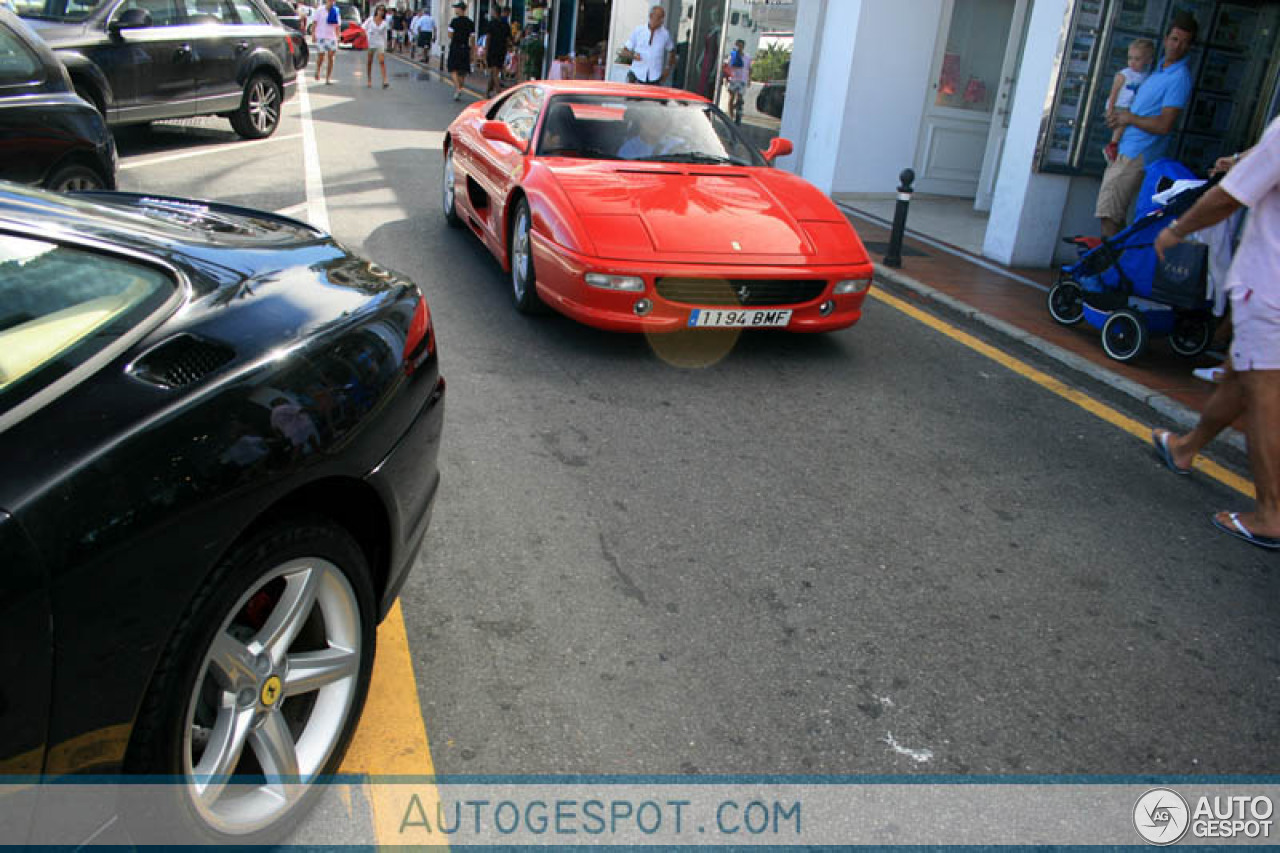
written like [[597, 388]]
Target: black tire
[[1124, 335], [449, 190], [259, 113], [524, 291], [1066, 303], [1192, 334], [74, 177], [264, 688]]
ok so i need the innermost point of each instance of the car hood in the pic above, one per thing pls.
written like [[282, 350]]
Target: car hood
[[743, 214]]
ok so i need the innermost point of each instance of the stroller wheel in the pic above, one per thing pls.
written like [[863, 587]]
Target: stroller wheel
[[1124, 335], [1066, 302], [1191, 334]]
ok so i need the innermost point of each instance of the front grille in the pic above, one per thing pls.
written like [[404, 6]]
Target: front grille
[[739, 291]]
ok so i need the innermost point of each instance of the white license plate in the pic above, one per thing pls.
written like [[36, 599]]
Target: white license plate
[[745, 318]]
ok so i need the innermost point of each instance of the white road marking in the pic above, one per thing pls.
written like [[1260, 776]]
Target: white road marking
[[295, 211], [317, 210], [213, 149], [917, 755]]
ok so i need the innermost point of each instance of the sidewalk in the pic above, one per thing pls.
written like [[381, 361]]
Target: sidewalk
[[1012, 301]]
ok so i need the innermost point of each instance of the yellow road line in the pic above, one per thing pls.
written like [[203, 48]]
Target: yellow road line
[[1044, 380], [391, 739]]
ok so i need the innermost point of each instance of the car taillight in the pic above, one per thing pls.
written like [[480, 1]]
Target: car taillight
[[420, 337]]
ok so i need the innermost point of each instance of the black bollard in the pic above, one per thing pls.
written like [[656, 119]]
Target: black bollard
[[893, 258]]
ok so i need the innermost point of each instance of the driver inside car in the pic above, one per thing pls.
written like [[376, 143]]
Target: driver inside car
[[649, 134]]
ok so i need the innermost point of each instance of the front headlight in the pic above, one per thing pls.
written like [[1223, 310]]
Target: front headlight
[[629, 283], [851, 285]]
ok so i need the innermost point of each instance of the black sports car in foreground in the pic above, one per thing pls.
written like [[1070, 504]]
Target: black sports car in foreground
[[218, 440]]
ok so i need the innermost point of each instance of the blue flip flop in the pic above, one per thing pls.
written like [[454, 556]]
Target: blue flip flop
[[1238, 530], [1160, 439]]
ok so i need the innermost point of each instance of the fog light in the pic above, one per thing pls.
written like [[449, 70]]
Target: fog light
[[826, 308], [852, 285], [642, 307], [616, 282]]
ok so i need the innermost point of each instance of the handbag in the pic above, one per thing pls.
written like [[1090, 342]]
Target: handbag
[[1180, 278]]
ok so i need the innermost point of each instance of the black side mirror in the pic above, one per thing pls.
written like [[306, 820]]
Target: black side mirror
[[130, 19]]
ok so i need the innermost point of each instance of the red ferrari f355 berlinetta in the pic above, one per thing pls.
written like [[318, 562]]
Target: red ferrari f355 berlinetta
[[636, 208]]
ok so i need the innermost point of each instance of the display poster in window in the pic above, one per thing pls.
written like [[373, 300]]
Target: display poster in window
[[1223, 71], [1235, 26], [1144, 15]]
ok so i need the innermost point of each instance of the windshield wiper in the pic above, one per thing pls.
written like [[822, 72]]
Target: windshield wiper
[[694, 157]]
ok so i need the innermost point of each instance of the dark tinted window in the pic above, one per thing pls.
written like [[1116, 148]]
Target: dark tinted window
[[18, 65], [164, 13], [60, 306]]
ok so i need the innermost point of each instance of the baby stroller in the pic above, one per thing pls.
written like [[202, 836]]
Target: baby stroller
[[1119, 285]]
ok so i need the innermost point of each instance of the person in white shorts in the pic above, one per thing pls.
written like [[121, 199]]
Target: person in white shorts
[[324, 27], [1251, 384], [376, 28]]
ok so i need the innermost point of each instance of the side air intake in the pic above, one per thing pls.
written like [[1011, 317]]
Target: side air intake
[[180, 361]]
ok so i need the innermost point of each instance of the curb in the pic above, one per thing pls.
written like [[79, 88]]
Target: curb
[[1181, 415]]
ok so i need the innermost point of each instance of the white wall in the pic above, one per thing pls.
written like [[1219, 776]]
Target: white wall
[[1026, 211], [892, 63], [856, 94]]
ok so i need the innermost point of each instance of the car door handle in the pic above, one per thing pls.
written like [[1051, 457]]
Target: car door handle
[[242, 46], [182, 52]]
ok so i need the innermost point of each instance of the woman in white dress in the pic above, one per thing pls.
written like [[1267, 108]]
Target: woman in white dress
[[376, 29]]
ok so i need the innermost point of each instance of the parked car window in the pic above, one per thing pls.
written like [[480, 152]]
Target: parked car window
[[55, 10], [18, 65], [520, 111], [59, 306], [163, 12], [209, 12], [249, 13]]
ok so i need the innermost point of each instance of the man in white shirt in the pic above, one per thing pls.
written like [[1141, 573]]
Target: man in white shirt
[[424, 30], [650, 49]]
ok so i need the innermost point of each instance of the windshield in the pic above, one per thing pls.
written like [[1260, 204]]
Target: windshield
[[666, 130], [348, 12], [57, 10]]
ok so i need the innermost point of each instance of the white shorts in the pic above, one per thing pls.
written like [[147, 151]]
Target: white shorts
[[1255, 331], [326, 45]]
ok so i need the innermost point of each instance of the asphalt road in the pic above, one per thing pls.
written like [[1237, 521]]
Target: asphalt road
[[769, 554]]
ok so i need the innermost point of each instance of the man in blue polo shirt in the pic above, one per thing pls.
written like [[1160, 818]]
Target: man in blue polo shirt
[[1148, 125]]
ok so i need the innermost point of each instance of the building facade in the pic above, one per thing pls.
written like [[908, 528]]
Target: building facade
[[1002, 101]]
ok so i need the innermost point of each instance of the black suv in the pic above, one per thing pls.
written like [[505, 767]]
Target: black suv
[[142, 60], [49, 136]]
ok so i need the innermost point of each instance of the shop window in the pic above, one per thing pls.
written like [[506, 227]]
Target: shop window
[[1232, 63]]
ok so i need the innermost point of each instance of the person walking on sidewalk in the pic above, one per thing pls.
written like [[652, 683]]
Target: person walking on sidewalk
[[462, 38], [497, 36], [1251, 384], [424, 31], [324, 28], [377, 28], [1148, 126]]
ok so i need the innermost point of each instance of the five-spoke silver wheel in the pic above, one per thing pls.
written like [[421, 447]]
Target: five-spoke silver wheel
[[448, 189], [273, 695], [524, 293]]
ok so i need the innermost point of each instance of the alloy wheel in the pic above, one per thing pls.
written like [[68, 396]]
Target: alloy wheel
[[274, 693]]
